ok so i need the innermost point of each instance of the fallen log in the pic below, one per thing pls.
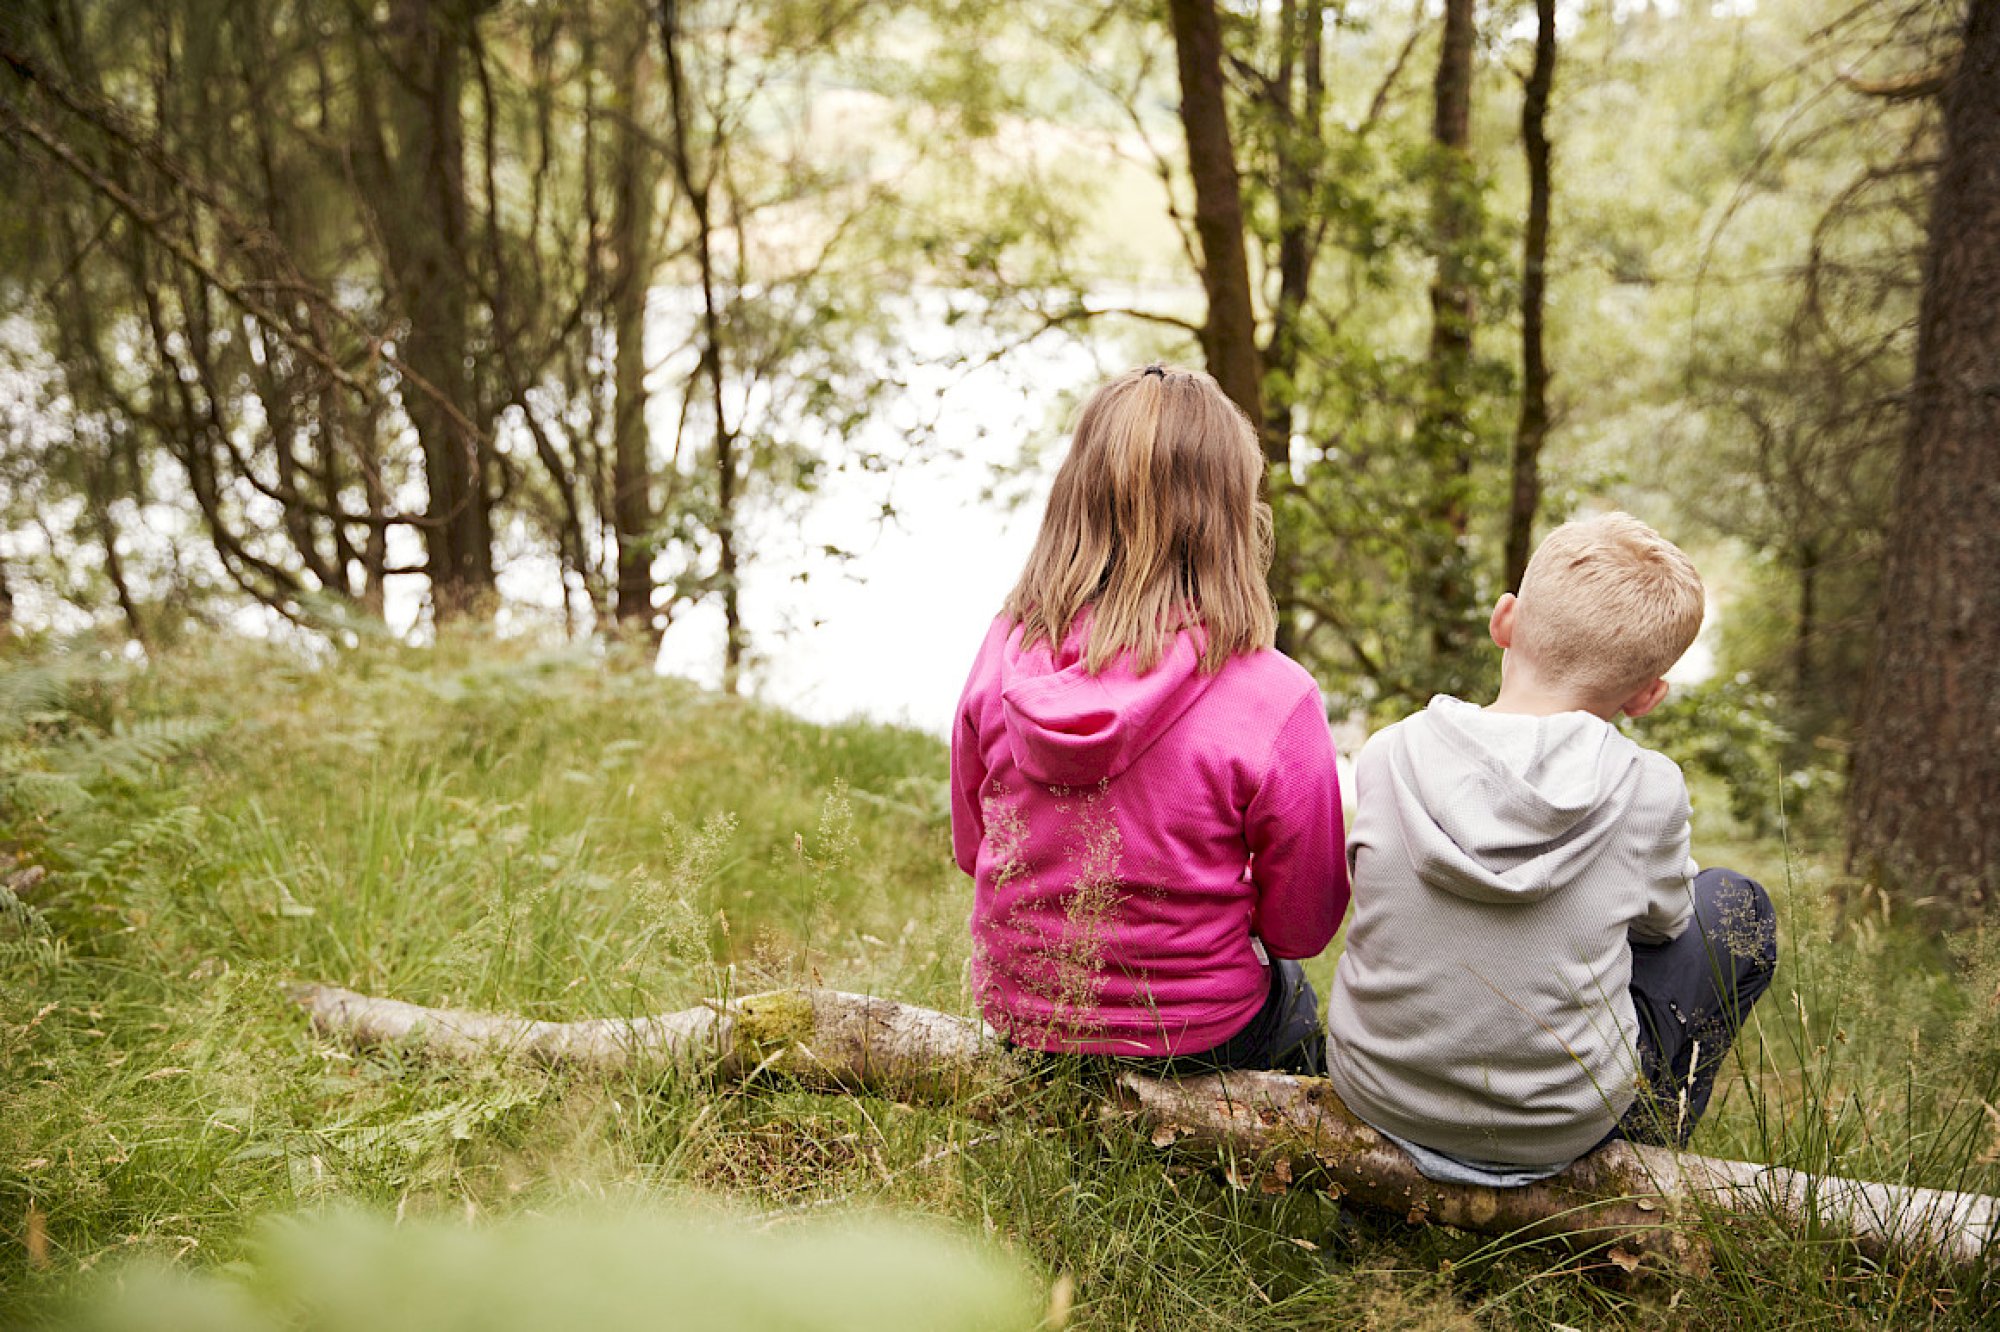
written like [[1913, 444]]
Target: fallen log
[[1631, 1200], [822, 1038]]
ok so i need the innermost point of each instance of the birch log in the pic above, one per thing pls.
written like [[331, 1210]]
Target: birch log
[[1271, 1130]]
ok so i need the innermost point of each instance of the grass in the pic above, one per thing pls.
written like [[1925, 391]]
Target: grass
[[565, 835]]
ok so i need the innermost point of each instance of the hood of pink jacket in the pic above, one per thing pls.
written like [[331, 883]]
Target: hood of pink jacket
[[1067, 727]]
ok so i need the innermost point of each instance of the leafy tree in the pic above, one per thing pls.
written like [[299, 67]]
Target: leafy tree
[[348, 296]]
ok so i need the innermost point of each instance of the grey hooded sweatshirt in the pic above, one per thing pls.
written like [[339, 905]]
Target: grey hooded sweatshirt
[[1500, 865]]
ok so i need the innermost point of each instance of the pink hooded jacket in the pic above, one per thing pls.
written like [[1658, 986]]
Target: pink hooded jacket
[[1129, 834]]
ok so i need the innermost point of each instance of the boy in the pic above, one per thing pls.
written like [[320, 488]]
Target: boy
[[1521, 961]]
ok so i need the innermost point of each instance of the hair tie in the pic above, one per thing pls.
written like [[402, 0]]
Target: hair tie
[[1155, 369]]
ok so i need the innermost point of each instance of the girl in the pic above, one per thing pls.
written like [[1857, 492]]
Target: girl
[[1143, 789]]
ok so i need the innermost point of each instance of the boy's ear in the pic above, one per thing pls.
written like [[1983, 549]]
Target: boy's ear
[[1645, 700], [1501, 625]]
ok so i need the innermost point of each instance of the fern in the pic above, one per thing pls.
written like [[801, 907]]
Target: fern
[[40, 793], [50, 757], [31, 696], [25, 936], [133, 750], [176, 828]]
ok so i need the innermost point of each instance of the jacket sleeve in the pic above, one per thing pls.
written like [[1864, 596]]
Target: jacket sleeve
[[1670, 874], [968, 774], [1293, 826]]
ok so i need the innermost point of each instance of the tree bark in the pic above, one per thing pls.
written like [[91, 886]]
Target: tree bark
[[1926, 776], [1532, 431], [695, 185], [1806, 557], [634, 180], [1229, 334], [1271, 1128], [114, 563], [375, 553], [823, 1038], [276, 389], [425, 231], [1300, 162], [1445, 432]]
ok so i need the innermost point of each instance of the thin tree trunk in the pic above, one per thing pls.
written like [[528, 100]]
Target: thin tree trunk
[[1808, 628], [1533, 429], [191, 429], [1926, 777], [1299, 170], [1271, 1129], [275, 382], [426, 237], [695, 185], [79, 342], [1445, 432], [633, 188], [114, 563], [300, 523], [333, 428], [505, 347], [375, 554], [1229, 335], [1299, 161]]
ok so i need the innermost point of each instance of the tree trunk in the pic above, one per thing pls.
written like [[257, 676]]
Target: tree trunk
[[634, 181], [375, 554], [1300, 154], [425, 231], [1926, 777], [1532, 431], [80, 343], [1229, 335], [1445, 431], [286, 402], [114, 563], [695, 185], [1808, 559], [1270, 1128]]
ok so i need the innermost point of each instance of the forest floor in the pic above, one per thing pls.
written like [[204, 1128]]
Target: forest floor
[[560, 835]]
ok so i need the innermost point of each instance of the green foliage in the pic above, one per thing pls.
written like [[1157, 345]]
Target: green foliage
[[560, 834], [608, 1269], [1730, 730], [1973, 1043], [486, 825], [52, 758], [1731, 289]]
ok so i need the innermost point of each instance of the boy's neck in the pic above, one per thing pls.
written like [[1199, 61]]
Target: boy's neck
[[1527, 697]]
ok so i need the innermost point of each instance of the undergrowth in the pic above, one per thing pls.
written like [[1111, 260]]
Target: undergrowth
[[564, 835]]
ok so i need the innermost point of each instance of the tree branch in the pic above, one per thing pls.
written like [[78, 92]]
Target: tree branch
[[1288, 1130], [1912, 86]]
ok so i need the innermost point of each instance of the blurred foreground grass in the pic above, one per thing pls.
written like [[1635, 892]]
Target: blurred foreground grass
[[607, 1270], [567, 835]]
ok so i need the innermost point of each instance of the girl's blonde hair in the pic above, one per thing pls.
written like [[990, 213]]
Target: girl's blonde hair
[[1155, 524]]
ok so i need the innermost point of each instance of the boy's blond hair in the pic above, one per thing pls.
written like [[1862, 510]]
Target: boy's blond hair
[[1155, 524], [1607, 605]]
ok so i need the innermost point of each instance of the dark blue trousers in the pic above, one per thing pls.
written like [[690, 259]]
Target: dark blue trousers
[[1692, 996], [1284, 1035]]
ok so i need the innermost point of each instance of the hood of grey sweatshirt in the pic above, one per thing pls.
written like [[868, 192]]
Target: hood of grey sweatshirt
[[1497, 807], [1501, 866]]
